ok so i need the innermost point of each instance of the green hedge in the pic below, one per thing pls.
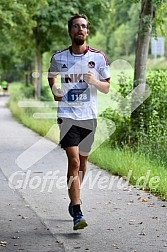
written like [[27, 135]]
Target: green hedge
[[152, 133]]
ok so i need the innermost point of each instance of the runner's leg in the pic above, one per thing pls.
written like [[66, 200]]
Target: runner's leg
[[83, 167], [73, 174]]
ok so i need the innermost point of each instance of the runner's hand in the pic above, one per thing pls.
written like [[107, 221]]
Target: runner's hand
[[58, 94], [89, 78]]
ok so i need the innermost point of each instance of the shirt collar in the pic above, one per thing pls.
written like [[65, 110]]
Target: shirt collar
[[86, 50]]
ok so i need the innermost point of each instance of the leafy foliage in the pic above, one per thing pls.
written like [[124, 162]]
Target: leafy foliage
[[32, 27], [154, 116], [153, 119]]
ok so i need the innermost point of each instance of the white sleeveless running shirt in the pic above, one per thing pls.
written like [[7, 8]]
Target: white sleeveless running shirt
[[79, 100]]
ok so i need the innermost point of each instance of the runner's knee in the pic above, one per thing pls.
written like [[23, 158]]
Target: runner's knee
[[74, 163]]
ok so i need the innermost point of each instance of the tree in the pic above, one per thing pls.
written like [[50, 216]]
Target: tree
[[147, 16], [123, 39], [120, 28], [117, 15], [16, 26], [147, 21]]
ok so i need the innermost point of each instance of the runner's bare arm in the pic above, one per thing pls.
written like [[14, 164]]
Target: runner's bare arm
[[55, 90]]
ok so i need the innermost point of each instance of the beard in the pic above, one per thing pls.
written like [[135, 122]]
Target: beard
[[79, 41]]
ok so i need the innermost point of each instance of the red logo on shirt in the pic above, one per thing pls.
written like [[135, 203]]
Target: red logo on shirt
[[91, 64]]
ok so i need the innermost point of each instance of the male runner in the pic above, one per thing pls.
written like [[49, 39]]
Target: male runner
[[83, 71]]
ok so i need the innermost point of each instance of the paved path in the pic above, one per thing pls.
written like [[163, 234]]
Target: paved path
[[34, 201]]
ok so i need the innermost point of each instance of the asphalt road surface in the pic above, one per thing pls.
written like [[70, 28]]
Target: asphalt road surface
[[34, 201]]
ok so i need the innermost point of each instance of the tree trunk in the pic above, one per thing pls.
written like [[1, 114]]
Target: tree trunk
[[142, 47], [38, 74], [144, 34], [126, 46], [38, 63], [28, 73]]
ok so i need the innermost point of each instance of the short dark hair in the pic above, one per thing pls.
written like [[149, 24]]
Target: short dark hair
[[70, 21]]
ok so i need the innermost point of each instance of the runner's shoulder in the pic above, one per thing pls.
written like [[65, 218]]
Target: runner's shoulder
[[60, 51], [92, 49], [100, 53]]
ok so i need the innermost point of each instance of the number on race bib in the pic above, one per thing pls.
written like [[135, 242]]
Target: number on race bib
[[80, 95]]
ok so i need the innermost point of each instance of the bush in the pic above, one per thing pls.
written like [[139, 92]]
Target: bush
[[154, 116], [28, 91], [123, 126], [152, 134]]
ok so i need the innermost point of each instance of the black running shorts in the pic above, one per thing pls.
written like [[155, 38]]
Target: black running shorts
[[77, 133]]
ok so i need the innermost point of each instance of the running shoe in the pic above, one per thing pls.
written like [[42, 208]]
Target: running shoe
[[79, 221]]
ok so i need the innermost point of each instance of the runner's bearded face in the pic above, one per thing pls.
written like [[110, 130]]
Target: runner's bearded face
[[79, 31]]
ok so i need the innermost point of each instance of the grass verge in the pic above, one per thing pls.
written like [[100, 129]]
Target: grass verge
[[141, 172]]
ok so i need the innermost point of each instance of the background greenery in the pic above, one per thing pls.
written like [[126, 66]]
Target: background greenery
[[32, 30]]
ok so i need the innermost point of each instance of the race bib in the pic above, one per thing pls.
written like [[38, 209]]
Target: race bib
[[78, 95]]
